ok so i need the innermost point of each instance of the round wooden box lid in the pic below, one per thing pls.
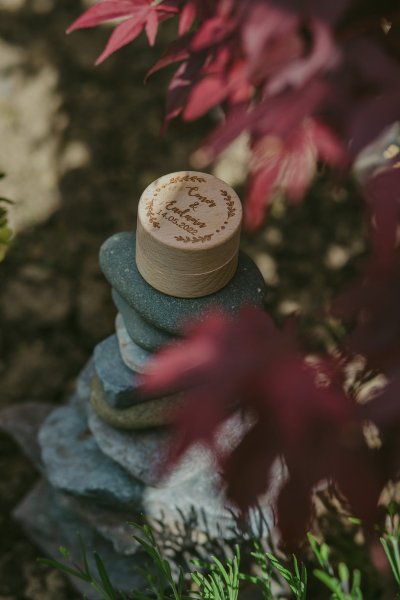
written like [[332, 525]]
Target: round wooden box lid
[[188, 232]]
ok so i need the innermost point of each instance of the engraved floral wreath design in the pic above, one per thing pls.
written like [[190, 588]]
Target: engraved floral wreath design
[[189, 239], [150, 214]]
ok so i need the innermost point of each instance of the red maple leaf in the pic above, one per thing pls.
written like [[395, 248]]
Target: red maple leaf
[[289, 164], [218, 80], [382, 193], [137, 15], [287, 146], [187, 16], [371, 304], [371, 309], [266, 64], [300, 413]]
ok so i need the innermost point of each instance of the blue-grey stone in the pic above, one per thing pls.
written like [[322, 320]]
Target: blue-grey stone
[[73, 462], [134, 356], [50, 523], [113, 525], [192, 484], [204, 494], [143, 453], [118, 263], [119, 383], [201, 493], [151, 413], [143, 333]]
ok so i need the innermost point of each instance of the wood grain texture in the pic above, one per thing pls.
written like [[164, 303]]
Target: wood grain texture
[[188, 234]]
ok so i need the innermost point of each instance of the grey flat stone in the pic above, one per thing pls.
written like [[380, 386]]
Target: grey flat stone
[[142, 453], [119, 383], [203, 490], [74, 463], [201, 494], [111, 524], [135, 357], [117, 261], [150, 413], [143, 333], [50, 523], [193, 484]]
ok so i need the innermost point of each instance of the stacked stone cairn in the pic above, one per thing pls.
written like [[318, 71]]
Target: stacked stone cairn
[[101, 454]]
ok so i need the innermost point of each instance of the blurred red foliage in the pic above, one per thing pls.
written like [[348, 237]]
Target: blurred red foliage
[[273, 65], [302, 414], [312, 84]]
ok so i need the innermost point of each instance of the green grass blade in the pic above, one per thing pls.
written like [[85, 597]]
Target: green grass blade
[[105, 580], [55, 564], [395, 546], [330, 582], [390, 559], [286, 574], [221, 569], [296, 567], [83, 555], [344, 574]]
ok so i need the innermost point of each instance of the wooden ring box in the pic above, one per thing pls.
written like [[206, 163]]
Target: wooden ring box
[[188, 234]]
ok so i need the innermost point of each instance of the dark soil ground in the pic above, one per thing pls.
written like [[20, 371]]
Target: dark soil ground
[[99, 147]]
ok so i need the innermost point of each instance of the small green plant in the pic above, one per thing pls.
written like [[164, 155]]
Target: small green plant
[[390, 542], [343, 585], [161, 584], [263, 580], [100, 582], [218, 582], [297, 581], [222, 578], [269, 565]]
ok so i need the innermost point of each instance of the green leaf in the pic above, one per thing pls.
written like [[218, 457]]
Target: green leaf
[[355, 588], [83, 556], [166, 568], [304, 580], [64, 551], [315, 548], [344, 574], [396, 555], [55, 564], [391, 560], [324, 549], [286, 574], [147, 547], [296, 566], [104, 577], [221, 569], [330, 582], [355, 521], [198, 578], [181, 581]]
